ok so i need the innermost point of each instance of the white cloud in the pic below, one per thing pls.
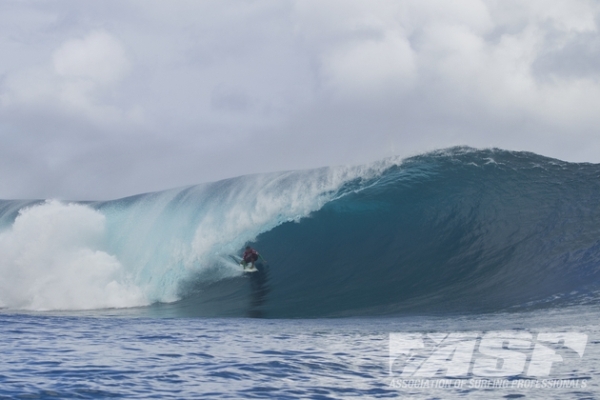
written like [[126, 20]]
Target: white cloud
[[76, 80], [371, 67], [566, 15], [497, 75], [98, 57], [471, 14], [106, 99]]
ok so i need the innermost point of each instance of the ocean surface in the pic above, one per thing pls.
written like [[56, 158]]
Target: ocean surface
[[460, 273]]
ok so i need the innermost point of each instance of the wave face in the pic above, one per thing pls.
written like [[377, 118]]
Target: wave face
[[459, 230]]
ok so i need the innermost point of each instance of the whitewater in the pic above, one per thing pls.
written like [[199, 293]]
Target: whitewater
[[139, 297]]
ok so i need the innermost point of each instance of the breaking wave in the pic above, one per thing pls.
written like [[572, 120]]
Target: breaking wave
[[449, 231]]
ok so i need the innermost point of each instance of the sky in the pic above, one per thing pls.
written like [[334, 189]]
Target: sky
[[105, 99]]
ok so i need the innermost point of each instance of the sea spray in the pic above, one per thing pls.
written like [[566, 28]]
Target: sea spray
[[53, 257]]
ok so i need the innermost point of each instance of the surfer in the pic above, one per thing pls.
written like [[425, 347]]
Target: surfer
[[250, 257]]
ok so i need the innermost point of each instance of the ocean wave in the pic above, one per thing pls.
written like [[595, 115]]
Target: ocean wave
[[450, 231]]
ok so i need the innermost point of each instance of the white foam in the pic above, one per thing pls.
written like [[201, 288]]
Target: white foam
[[52, 258]]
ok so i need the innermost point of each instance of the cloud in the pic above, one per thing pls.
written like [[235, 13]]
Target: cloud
[[98, 57], [371, 66], [77, 80], [100, 100]]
